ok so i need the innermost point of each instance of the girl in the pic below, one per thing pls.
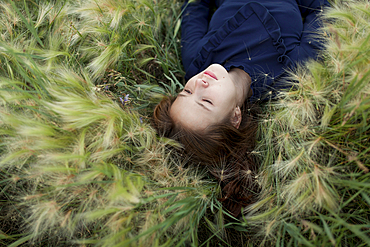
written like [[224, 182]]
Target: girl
[[234, 58]]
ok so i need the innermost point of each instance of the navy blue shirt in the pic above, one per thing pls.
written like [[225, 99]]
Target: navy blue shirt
[[264, 38]]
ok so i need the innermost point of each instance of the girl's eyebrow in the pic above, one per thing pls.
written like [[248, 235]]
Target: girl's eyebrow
[[203, 106]]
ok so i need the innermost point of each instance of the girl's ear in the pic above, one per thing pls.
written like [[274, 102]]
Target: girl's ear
[[236, 117]]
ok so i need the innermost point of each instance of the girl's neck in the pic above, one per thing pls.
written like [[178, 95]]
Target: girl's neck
[[242, 82]]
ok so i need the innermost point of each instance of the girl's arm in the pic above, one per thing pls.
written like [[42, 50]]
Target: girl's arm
[[194, 26], [310, 11]]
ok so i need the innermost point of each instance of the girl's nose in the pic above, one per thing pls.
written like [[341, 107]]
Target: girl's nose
[[202, 83]]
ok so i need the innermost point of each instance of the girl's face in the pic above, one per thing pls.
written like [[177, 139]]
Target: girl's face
[[208, 98]]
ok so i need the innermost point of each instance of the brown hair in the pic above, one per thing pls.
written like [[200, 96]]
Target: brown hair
[[225, 150]]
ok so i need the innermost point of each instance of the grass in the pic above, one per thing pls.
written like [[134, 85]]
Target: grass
[[80, 164]]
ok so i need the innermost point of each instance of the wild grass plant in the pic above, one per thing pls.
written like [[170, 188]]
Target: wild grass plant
[[80, 164]]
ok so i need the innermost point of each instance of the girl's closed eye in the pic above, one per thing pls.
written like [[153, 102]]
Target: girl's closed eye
[[208, 101]]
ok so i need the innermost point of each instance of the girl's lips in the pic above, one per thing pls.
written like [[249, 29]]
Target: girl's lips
[[211, 74]]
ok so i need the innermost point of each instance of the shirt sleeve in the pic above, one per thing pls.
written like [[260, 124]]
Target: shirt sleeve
[[194, 26], [310, 11]]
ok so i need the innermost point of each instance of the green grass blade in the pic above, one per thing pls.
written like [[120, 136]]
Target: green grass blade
[[30, 27]]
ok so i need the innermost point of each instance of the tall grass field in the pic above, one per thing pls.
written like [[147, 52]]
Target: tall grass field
[[80, 164]]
